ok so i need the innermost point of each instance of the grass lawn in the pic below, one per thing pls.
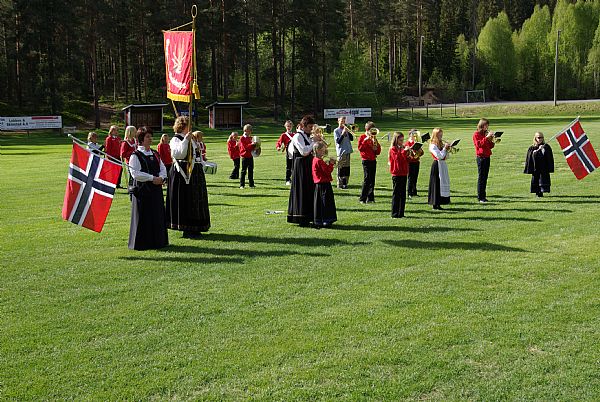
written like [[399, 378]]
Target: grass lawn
[[478, 302]]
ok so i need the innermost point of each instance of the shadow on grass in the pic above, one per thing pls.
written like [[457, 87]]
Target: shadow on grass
[[411, 229], [288, 241], [486, 208], [451, 245], [190, 259], [247, 194], [481, 218], [238, 252]]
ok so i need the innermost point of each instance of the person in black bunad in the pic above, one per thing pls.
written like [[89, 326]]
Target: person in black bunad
[[539, 163], [148, 228], [300, 206], [187, 197]]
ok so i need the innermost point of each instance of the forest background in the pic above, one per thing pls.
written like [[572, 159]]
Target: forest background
[[296, 56]]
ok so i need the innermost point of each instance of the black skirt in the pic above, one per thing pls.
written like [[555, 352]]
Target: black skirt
[[302, 191], [324, 205], [187, 204], [434, 196], [148, 228], [540, 182]]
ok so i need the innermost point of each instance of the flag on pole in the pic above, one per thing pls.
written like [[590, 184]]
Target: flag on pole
[[179, 50], [90, 189], [578, 150]]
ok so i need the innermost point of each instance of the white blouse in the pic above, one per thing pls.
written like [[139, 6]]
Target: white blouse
[[440, 154], [136, 167], [299, 143]]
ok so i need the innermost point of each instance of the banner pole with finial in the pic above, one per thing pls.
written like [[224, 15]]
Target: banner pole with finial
[[194, 13]]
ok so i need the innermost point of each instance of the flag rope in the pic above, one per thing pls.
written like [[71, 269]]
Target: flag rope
[[561, 131]]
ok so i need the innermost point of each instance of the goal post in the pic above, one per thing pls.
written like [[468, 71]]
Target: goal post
[[476, 95]]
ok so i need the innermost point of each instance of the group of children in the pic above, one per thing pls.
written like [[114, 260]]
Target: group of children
[[241, 149]]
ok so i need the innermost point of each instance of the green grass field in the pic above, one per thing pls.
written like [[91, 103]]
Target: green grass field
[[478, 302]]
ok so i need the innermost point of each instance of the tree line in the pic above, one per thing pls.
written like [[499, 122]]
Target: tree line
[[298, 55]]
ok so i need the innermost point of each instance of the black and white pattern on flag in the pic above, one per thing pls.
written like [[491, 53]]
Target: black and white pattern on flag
[[577, 148], [90, 184]]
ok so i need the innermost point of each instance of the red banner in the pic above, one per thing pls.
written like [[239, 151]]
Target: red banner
[[179, 48]]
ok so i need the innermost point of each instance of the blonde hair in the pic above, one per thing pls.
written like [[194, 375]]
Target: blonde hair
[[130, 133], [91, 134], [482, 122], [319, 146], [197, 135], [369, 125], [247, 127], [164, 139], [233, 133], [112, 128], [436, 137], [395, 138], [540, 133], [180, 123]]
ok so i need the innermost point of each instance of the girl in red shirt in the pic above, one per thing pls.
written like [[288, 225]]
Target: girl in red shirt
[[324, 203], [234, 153], [369, 149], [164, 151], [398, 161], [483, 140]]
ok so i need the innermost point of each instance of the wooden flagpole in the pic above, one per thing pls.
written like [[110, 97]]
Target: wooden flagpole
[[561, 131]]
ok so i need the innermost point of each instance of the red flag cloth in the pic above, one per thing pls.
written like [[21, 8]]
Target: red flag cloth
[[90, 188], [179, 48], [578, 150]]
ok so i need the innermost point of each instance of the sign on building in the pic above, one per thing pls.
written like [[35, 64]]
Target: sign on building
[[30, 123], [355, 112]]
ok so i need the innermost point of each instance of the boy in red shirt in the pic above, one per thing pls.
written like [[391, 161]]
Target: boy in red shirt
[[282, 145], [398, 161], [234, 153], [246, 146], [324, 203], [112, 147], [484, 142], [369, 148]]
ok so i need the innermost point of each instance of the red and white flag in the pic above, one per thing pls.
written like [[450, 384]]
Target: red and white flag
[[179, 48], [578, 150], [90, 189]]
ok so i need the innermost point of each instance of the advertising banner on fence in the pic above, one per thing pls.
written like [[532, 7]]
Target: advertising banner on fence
[[30, 123], [356, 112]]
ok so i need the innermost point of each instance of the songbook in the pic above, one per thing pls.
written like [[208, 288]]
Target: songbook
[[425, 137], [455, 143], [498, 134], [416, 146]]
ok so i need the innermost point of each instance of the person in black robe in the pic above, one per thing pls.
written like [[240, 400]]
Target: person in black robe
[[539, 163], [302, 191], [148, 228], [187, 197]]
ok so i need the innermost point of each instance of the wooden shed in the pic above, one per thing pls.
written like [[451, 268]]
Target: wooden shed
[[226, 114], [145, 115]]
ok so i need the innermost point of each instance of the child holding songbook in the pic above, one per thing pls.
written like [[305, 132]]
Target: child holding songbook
[[199, 138], [282, 145], [234, 153], [164, 151], [398, 161], [246, 146], [369, 149], [413, 162], [324, 203]]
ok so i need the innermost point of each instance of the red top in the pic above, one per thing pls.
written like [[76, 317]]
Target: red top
[[483, 146], [365, 146], [284, 140], [398, 162], [202, 147], [321, 171], [127, 149], [112, 146], [164, 151], [232, 149], [246, 146]]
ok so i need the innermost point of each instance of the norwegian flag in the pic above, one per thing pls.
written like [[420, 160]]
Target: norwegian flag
[[578, 150], [90, 189]]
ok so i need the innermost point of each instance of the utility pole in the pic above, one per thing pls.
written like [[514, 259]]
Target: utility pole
[[556, 65], [420, 68]]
